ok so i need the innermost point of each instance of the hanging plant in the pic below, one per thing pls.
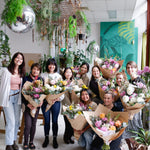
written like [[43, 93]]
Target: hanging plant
[[13, 9], [83, 19], [72, 25]]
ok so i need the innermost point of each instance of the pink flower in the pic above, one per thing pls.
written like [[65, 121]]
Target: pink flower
[[146, 69], [104, 129], [106, 63], [140, 72], [104, 119], [37, 89], [123, 93], [98, 123], [107, 83], [111, 123], [52, 82], [104, 87], [36, 95]]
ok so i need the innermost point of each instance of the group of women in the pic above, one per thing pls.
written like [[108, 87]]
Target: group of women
[[12, 80]]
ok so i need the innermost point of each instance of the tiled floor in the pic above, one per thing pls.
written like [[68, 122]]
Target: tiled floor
[[39, 138]]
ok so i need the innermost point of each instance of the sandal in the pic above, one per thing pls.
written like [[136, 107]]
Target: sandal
[[31, 146], [25, 147]]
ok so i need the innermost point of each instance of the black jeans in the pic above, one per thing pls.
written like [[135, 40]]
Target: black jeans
[[68, 129], [30, 125], [55, 109]]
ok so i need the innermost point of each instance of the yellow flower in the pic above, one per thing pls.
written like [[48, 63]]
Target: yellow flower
[[84, 86], [112, 128], [102, 115], [63, 88], [61, 81], [72, 67], [79, 112], [55, 86], [70, 107], [90, 107]]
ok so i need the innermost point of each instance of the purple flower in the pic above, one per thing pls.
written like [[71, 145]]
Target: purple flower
[[111, 123], [98, 123], [107, 66], [37, 89], [140, 72], [36, 95], [146, 69], [104, 119], [104, 87], [104, 129], [106, 63]]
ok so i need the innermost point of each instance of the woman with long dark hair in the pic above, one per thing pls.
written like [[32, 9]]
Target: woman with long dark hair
[[10, 98]]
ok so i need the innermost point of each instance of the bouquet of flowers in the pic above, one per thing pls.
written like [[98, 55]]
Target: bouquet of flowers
[[54, 89], [109, 67], [134, 97], [106, 85], [145, 74], [107, 124], [75, 71], [74, 114], [34, 93]]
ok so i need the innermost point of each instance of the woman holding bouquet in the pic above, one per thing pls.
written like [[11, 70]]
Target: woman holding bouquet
[[68, 76], [136, 123], [94, 83], [30, 122], [98, 142], [10, 98], [87, 133], [51, 68], [84, 69]]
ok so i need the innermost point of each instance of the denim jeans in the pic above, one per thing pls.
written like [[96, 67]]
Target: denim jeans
[[55, 109], [12, 114], [86, 139]]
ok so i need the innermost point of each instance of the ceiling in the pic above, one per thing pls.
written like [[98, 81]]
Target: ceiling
[[113, 10], [109, 10]]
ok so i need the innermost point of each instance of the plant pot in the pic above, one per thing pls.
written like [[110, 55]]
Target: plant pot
[[81, 36]]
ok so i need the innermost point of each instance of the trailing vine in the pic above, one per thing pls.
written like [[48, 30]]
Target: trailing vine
[[72, 25], [13, 9]]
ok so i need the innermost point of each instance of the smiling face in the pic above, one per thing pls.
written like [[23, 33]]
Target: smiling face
[[95, 72], [18, 60], [131, 70], [85, 96], [119, 79], [68, 74], [35, 71], [83, 69], [108, 100], [51, 68]]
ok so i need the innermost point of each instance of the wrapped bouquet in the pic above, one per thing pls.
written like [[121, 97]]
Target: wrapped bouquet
[[54, 89], [109, 67], [134, 97], [74, 114], [106, 85], [34, 93], [107, 124]]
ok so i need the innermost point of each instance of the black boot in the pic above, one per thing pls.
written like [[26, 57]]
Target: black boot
[[55, 144], [15, 146], [46, 142], [9, 147]]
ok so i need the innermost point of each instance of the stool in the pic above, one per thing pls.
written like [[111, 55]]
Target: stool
[[20, 133], [2, 111]]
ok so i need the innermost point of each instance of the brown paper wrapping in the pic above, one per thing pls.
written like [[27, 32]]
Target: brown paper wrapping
[[101, 109], [51, 97], [108, 73], [74, 97], [102, 93], [132, 110], [29, 98], [78, 123]]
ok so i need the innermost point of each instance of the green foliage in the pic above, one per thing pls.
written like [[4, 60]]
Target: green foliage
[[142, 136], [43, 61], [83, 18], [13, 9], [4, 46], [72, 25], [79, 57]]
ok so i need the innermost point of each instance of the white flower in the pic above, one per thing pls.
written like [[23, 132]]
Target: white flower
[[140, 100], [98, 60], [142, 95], [47, 86], [76, 88], [78, 94], [110, 67], [52, 88], [52, 82], [103, 66], [116, 65], [125, 98], [130, 90], [132, 100]]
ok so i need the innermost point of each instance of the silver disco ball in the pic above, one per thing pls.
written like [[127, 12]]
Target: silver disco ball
[[25, 22]]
